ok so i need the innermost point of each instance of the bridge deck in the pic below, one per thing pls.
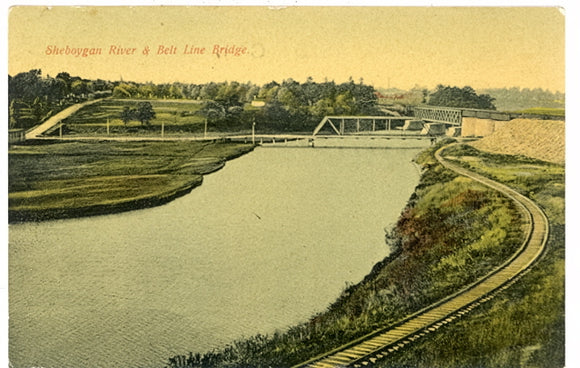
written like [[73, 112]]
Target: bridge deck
[[342, 119]]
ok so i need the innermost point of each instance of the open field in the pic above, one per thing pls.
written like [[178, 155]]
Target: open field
[[542, 111], [57, 180], [176, 116]]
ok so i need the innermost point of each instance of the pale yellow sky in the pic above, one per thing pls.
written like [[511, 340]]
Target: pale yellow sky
[[387, 46]]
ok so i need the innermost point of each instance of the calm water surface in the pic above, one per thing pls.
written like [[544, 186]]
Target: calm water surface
[[263, 244]]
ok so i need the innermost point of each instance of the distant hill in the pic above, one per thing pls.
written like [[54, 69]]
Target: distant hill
[[506, 99], [514, 98], [393, 96]]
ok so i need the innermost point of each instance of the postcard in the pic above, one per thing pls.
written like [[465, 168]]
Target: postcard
[[253, 186]]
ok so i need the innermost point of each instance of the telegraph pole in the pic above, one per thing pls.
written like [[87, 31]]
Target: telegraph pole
[[254, 131]]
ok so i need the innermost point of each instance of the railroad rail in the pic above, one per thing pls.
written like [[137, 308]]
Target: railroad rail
[[377, 345]]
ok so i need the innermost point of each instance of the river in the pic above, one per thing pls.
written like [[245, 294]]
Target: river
[[263, 244]]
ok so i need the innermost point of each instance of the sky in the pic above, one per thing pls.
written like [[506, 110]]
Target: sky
[[401, 47]]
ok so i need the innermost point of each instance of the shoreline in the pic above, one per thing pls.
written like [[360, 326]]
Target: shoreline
[[24, 216], [407, 279]]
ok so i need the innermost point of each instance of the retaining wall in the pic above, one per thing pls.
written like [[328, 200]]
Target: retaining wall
[[477, 127]]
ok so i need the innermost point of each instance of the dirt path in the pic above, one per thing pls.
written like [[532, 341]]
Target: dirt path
[[51, 122]]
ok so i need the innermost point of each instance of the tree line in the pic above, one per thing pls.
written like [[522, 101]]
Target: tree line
[[288, 105], [281, 106], [284, 106], [465, 97], [516, 98], [33, 98]]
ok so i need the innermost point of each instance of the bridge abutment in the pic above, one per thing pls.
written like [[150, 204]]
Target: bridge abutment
[[478, 127]]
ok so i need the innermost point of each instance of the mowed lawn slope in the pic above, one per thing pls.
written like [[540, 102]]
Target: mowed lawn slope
[[176, 116], [72, 179]]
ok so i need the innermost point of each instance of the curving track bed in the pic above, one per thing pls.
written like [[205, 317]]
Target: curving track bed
[[377, 345]]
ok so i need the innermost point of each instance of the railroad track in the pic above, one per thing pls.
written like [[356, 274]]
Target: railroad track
[[372, 347]]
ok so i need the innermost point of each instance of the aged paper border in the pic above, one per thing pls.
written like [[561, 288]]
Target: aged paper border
[[572, 12]]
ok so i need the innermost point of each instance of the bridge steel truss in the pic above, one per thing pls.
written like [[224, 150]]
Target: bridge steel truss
[[342, 121], [436, 114]]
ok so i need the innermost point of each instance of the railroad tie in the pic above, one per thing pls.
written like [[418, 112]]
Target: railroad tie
[[486, 289]]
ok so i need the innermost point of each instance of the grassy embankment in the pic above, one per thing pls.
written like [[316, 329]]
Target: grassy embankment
[[181, 116], [452, 232], [60, 180], [523, 326], [543, 111], [177, 118]]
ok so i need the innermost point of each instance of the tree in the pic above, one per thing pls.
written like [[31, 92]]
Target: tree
[[460, 97], [345, 104], [39, 109], [79, 87], [124, 90], [13, 115], [269, 92], [66, 78], [209, 91], [175, 91], [54, 89], [144, 112], [287, 97], [323, 107], [213, 111], [146, 90], [275, 116], [127, 115], [252, 93], [26, 86], [228, 94]]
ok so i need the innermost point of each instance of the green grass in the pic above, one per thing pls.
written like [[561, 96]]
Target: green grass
[[541, 181], [452, 232], [543, 111], [523, 326], [175, 116], [78, 179]]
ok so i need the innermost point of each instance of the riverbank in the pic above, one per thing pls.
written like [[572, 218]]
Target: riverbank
[[452, 232], [242, 247], [56, 180], [523, 326]]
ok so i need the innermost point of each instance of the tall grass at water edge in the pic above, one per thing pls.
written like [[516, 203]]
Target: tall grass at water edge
[[523, 326], [452, 232]]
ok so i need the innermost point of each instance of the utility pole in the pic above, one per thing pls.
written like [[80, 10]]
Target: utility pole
[[254, 131]]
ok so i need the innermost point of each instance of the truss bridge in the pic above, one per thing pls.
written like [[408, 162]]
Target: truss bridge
[[437, 114]]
